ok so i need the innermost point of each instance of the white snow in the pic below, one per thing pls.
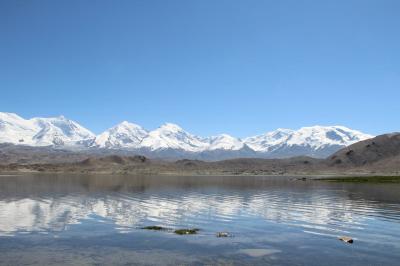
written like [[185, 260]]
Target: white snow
[[14, 129]]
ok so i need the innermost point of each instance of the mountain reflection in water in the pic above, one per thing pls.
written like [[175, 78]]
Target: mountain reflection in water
[[77, 206]]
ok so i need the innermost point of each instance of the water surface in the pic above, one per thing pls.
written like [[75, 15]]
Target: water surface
[[47, 219]]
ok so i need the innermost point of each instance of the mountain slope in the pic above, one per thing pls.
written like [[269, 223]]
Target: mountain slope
[[14, 129], [383, 150]]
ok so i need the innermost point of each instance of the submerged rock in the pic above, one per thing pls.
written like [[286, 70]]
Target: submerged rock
[[346, 239], [154, 227], [223, 234], [259, 252], [186, 231]]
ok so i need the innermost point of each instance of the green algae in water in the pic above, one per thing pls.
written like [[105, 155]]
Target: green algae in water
[[187, 231], [364, 179]]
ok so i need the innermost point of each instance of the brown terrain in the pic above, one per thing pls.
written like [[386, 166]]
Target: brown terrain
[[376, 156]]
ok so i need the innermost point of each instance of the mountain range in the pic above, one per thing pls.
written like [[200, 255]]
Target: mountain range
[[171, 141]]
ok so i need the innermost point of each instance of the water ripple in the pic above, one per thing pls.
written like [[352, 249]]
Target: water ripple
[[325, 210]]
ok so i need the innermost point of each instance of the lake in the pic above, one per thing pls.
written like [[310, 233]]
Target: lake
[[84, 220]]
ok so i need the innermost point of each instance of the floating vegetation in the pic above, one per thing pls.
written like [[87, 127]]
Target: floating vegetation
[[186, 231]]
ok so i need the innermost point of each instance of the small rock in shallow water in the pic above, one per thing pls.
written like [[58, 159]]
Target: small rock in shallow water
[[346, 239], [186, 231], [223, 234]]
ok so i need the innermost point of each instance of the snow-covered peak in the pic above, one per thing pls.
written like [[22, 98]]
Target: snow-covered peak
[[264, 142], [10, 116], [224, 142], [316, 137], [171, 136], [41, 131], [59, 131], [123, 135], [170, 127], [126, 126]]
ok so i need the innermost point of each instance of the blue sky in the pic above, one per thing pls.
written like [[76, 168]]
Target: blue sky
[[211, 66]]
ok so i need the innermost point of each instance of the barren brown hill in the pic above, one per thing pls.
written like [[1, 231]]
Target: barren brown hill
[[382, 152], [113, 159]]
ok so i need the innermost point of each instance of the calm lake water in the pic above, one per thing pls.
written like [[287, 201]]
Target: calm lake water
[[80, 220]]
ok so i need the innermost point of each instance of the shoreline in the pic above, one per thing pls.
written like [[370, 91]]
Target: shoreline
[[331, 177]]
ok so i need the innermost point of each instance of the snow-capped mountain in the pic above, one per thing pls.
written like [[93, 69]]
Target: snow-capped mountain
[[224, 142], [316, 141], [60, 131], [171, 136], [264, 142], [57, 131], [123, 135], [171, 141]]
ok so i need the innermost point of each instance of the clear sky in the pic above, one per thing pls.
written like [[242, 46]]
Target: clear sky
[[211, 66]]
